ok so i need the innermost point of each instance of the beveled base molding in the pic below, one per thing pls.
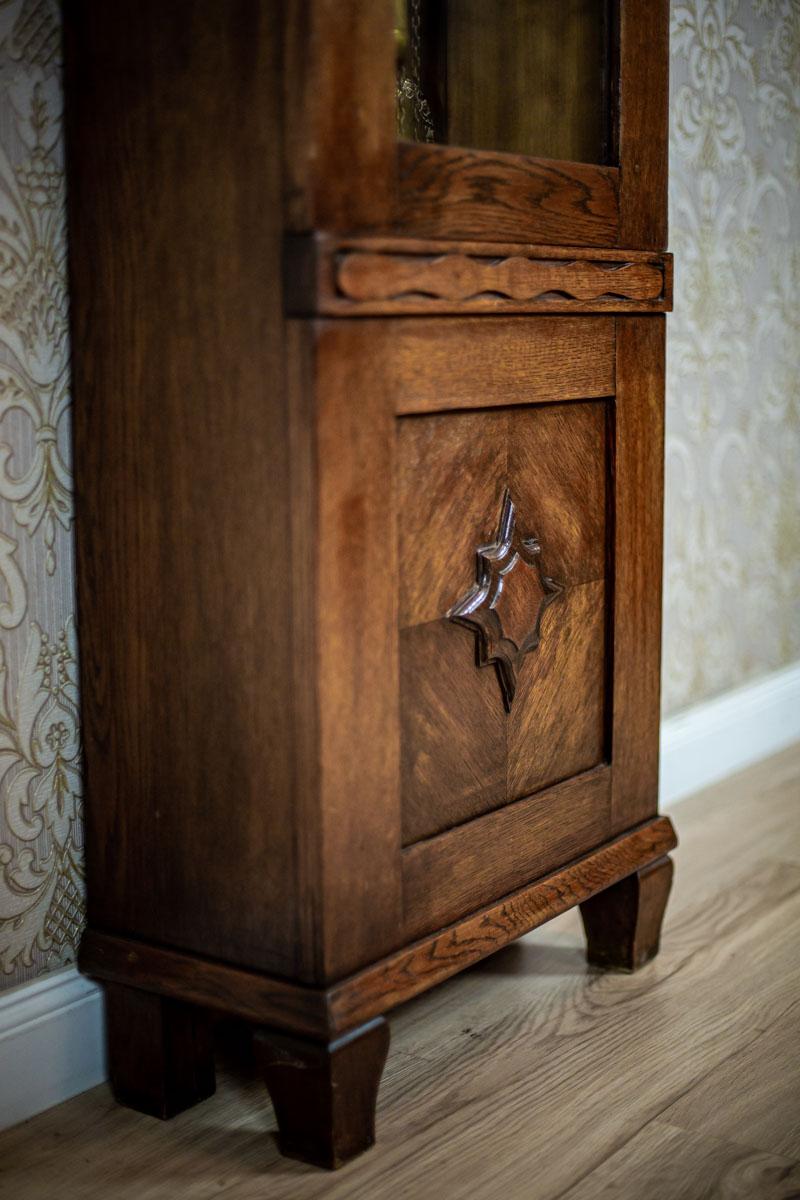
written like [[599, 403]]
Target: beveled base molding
[[327, 1013]]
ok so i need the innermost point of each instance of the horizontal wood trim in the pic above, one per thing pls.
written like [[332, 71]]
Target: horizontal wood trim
[[453, 281], [373, 276], [444, 363], [447, 875], [446, 191], [387, 983], [249, 995], [433, 959]]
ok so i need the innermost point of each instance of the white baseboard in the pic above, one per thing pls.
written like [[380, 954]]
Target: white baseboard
[[51, 1031], [706, 743], [51, 1043]]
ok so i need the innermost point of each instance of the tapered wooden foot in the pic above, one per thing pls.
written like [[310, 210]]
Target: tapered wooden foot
[[623, 923], [160, 1051], [324, 1095]]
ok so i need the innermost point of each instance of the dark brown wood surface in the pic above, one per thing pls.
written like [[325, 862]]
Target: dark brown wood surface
[[453, 753], [556, 726], [442, 364], [345, 612], [459, 280], [345, 172], [623, 923], [496, 853], [638, 504], [444, 191], [281, 521], [461, 755], [339, 132], [643, 102], [160, 1051], [206, 983], [182, 492], [324, 1095], [452, 469]]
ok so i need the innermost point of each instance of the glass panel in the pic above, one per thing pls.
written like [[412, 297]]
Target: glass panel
[[527, 76]]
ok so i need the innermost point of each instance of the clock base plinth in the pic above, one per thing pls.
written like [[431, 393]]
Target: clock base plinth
[[322, 1049]]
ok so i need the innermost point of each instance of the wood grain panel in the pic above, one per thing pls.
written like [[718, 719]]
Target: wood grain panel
[[498, 852], [442, 364], [461, 753], [181, 474], [451, 471], [448, 192], [555, 727], [638, 476], [557, 464], [356, 664], [453, 731]]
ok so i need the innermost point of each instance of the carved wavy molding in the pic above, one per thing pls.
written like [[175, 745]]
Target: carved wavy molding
[[460, 277], [381, 275]]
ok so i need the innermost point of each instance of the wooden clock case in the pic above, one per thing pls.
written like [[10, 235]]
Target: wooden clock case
[[368, 442]]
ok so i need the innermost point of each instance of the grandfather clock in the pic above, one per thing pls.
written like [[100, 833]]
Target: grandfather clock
[[369, 379]]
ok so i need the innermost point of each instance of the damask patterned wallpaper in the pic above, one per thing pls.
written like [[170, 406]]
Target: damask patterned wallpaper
[[732, 575], [41, 889], [733, 431]]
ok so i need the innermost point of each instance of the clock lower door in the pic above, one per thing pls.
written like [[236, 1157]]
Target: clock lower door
[[499, 516]]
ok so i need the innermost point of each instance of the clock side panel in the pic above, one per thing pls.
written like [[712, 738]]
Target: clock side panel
[[182, 482]]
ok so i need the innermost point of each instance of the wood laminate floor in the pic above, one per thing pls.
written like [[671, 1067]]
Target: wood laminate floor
[[532, 1076]]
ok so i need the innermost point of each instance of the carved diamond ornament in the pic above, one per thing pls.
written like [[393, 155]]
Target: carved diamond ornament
[[504, 606]]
